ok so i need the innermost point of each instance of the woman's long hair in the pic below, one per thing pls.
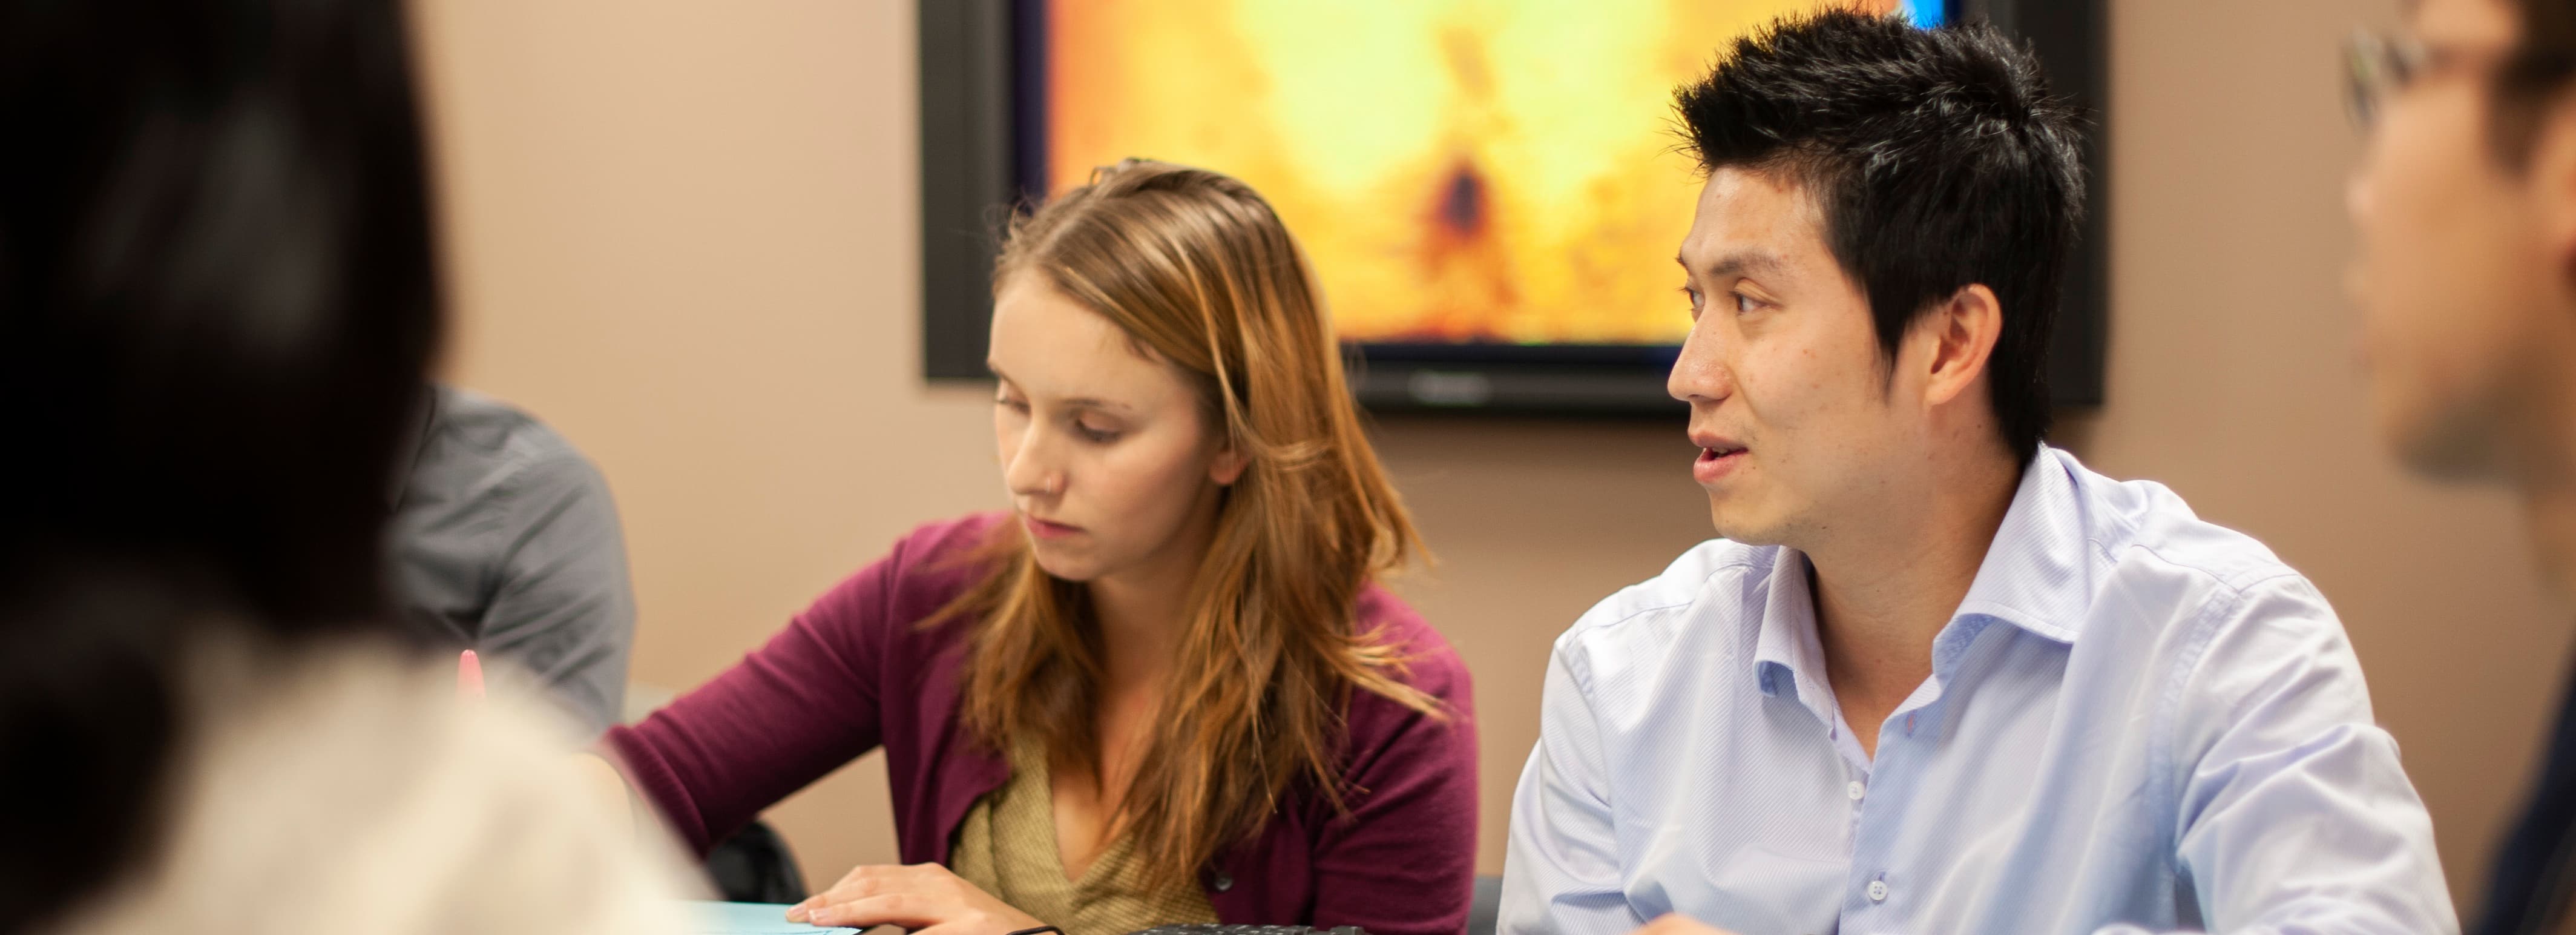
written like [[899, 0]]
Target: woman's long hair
[[217, 303], [1197, 269]]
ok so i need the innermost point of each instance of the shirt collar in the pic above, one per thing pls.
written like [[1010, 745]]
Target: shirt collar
[[2038, 573], [2035, 576], [1785, 649]]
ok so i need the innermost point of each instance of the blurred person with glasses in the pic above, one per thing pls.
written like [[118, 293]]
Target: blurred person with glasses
[[2466, 207]]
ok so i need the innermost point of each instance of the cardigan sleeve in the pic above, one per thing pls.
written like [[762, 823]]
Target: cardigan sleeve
[[790, 712], [1403, 860]]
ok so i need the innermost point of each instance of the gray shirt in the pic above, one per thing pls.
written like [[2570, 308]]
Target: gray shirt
[[505, 541]]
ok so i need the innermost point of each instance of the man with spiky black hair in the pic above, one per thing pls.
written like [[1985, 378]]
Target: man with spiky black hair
[[1936, 676]]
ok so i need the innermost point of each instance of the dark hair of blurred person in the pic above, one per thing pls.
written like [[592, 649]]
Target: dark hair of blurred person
[[217, 303], [2465, 206]]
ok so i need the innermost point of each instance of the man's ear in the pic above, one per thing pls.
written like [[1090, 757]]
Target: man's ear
[[2552, 174], [1961, 332]]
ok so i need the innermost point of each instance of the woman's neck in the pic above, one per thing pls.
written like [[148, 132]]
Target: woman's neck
[[1143, 612], [1141, 623]]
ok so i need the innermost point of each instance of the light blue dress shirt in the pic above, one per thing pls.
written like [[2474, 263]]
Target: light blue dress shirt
[[2136, 721]]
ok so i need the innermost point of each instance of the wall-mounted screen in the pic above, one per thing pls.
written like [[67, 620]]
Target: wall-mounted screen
[[1459, 172], [1489, 190]]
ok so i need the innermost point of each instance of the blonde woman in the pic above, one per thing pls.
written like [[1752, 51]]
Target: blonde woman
[[1164, 687]]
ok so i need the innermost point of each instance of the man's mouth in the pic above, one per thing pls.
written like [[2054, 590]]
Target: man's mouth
[[1717, 462]]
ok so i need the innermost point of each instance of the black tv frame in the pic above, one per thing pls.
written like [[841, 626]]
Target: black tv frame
[[975, 169]]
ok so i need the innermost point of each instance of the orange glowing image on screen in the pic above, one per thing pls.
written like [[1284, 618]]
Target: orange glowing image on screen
[[1501, 171]]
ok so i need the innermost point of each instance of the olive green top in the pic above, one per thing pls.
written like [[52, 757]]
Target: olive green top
[[1007, 847]]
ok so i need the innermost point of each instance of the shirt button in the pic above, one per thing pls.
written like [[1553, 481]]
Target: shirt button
[[1223, 882], [1855, 790], [1878, 891]]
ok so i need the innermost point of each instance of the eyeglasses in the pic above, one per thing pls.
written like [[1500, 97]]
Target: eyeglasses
[[2376, 67]]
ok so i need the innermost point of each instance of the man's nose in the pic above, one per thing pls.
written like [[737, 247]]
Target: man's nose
[[1700, 372]]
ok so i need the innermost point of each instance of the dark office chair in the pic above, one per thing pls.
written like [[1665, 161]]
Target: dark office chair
[[755, 866], [1488, 904]]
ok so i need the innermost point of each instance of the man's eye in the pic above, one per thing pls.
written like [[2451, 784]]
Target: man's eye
[[1744, 303]]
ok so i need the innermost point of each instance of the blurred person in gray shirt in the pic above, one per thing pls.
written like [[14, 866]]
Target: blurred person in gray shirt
[[505, 541]]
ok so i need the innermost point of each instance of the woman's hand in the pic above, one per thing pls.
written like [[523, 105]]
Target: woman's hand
[[925, 898], [1674, 923]]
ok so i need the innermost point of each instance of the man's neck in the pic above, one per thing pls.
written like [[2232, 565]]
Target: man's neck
[[1883, 595], [2549, 517], [2545, 472]]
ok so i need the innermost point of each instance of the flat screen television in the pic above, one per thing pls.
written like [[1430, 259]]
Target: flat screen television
[[1485, 187]]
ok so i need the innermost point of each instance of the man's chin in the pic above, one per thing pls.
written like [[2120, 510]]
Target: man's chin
[[2455, 447], [1734, 524]]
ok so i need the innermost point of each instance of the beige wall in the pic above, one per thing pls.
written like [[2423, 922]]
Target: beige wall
[[684, 234]]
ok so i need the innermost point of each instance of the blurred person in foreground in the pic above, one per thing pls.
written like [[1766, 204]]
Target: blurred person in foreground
[[217, 301], [1938, 676], [2466, 208]]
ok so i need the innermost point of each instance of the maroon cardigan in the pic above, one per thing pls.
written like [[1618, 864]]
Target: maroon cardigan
[[855, 672]]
